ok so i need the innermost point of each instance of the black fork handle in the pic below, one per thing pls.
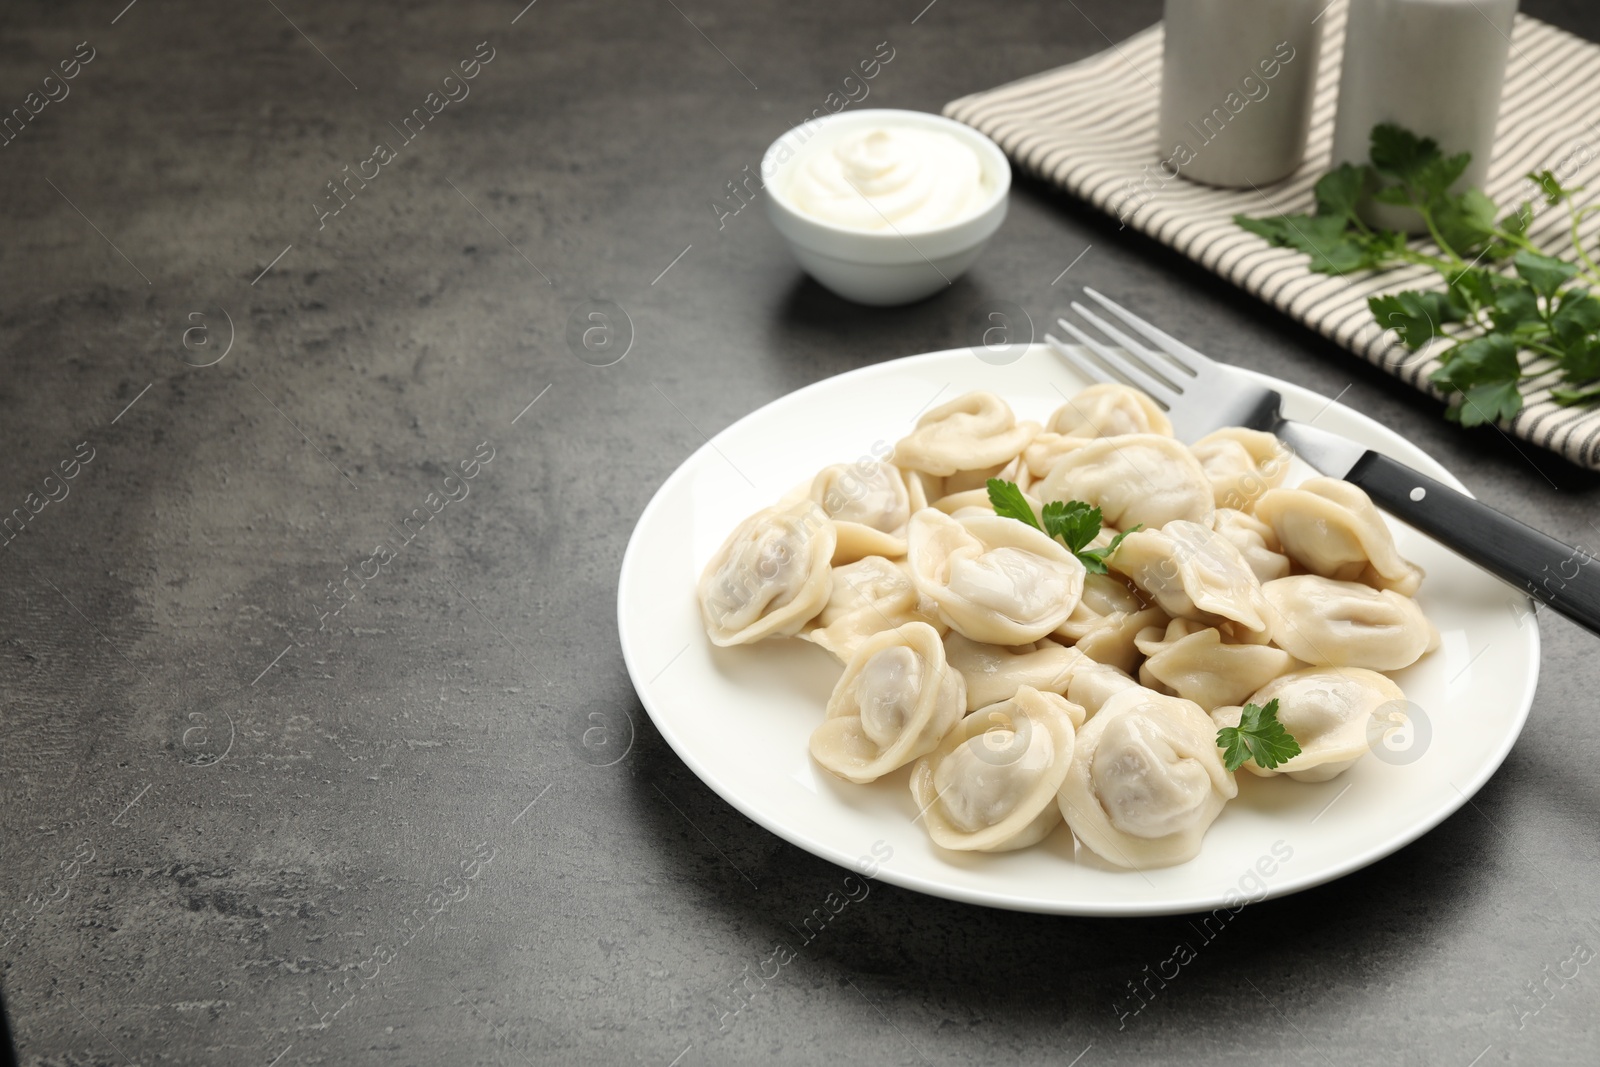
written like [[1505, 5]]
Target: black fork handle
[[1561, 576]]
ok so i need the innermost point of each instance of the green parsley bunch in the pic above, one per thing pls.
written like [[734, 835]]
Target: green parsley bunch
[[1072, 522], [1500, 323]]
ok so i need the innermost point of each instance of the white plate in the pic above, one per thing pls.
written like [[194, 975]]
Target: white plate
[[741, 717]]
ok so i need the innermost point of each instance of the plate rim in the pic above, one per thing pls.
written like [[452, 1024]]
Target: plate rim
[[985, 898]]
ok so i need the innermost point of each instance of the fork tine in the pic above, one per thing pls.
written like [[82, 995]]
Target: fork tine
[[1146, 359], [1158, 391], [1080, 362], [1180, 353]]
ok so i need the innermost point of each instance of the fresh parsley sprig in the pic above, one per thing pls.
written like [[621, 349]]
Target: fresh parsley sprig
[[1259, 736], [1072, 522], [1500, 323]]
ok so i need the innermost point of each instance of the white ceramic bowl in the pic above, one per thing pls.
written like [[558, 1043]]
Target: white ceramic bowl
[[884, 267]]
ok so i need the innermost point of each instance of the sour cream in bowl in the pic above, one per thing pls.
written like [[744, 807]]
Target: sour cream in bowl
[[885, 207], [891, 176]]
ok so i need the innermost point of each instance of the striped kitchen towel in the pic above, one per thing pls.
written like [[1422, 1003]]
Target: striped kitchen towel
[[1091, 128]]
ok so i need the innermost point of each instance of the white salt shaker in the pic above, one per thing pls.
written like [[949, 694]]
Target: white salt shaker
[[1435, 67], [1237, 78]]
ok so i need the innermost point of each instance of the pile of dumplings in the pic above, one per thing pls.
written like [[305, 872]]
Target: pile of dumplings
[[1023, 690]]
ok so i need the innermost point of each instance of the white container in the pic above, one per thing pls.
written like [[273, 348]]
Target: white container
[[1435, 67], [1237, 80], [885, 267]]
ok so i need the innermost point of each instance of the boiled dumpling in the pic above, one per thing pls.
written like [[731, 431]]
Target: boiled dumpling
[[935, 490], [1045, 449], [1335, 714], [1241, 464], [1138, 479], [995, 580], [1192, 661], [993, 673], [1116, 641], [870, 504], [1013, 470], [1256, 542], [970, 433], [895, 701], [1146, 780], [1331, 528], [869, 596], [1108, 617], [1104, 595], [1094, 683], [770, 577], [1193, 572], [1109, 409], [977, 502], [1348, 624], [991, 784]]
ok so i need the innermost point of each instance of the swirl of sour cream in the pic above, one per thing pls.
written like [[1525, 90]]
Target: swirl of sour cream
[[896, 178]]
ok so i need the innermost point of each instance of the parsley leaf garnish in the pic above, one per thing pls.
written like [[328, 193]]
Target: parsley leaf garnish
[[1072, 522], [1259, 736], [1551, 187], [1094, 559], [1485, 371], [1545, 274], [1495, 328], [1009, 503], [1416, 316]]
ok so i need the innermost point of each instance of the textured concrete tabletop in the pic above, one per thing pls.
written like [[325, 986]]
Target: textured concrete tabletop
[[248, 821]]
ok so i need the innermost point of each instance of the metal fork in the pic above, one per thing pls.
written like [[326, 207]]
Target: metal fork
[[1201, 395]]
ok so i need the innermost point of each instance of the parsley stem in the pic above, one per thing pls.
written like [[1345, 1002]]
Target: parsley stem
[[1518, 240], [1438, 238], [1592, 274], [1407, 254]]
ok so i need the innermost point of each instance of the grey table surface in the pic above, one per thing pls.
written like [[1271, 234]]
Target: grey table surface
[[237, 830]]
